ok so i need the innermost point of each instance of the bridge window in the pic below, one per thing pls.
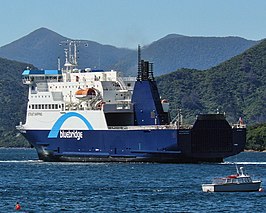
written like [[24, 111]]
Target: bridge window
[[45, 106]]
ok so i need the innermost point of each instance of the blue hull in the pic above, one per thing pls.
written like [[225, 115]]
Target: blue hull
[[157, 145]]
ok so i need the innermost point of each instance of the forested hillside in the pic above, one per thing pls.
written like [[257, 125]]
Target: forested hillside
[[13, 97], [256, 137], [236, 87]]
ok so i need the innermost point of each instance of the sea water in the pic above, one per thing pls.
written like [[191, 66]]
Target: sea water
[[122, 187]]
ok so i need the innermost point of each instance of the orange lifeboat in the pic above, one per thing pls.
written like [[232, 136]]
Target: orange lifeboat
[[88, 93]]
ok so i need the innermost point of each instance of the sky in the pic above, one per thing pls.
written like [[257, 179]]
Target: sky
[[127, 23]]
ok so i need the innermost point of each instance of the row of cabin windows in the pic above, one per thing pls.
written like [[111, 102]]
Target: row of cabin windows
[[41, 96], [44, 78], [44, 96], [64, 87], [77, 87], [45, 106], [65, 96]]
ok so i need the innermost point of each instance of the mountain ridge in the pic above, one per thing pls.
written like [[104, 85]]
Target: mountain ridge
[[41, 48]]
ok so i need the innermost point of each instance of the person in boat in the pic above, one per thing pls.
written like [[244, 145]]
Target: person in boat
[[17, 207]]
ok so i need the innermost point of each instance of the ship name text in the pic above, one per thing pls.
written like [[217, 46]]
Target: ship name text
[[71, 134], [34, 114]]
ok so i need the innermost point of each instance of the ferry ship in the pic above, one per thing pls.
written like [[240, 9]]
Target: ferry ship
[[92, 115]]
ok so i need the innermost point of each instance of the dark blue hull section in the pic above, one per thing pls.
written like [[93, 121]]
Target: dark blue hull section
[[105, 143], [156, 145]]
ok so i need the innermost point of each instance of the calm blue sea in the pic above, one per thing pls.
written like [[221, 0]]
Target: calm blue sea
[[122, 187]]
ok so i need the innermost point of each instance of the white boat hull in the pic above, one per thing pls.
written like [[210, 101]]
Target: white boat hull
[[232, 187]]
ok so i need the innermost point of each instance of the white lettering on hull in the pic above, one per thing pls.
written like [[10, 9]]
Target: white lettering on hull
[[71, 134]]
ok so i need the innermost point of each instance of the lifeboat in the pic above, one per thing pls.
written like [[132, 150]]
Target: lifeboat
[[88, 93]]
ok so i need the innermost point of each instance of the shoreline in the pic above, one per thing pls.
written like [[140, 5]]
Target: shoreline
[[250, 150]]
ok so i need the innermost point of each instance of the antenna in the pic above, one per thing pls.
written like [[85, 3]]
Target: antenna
[[139, 63], [75, 53], [237, 169], [71, 53], [58, 63], [66, 56]]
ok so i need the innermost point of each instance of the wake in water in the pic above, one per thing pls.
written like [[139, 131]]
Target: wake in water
[[51, 163], [82, 163], [245, 163], [20, 161]]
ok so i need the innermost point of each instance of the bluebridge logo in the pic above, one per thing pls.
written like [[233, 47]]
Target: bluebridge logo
[[71, 134], [68, 134]]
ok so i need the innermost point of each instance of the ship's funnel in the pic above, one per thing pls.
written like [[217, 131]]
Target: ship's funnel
[[145, 69]]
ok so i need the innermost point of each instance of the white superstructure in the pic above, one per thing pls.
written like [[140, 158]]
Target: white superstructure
[[87, 91]]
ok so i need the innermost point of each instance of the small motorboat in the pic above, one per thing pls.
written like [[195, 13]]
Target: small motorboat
[[240, 182]]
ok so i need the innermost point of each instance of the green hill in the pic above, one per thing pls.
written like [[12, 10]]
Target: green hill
[[236, 87], [13, 97], [256, 137]]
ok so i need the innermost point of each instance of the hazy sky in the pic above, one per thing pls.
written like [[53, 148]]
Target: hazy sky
[[126, 23]]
